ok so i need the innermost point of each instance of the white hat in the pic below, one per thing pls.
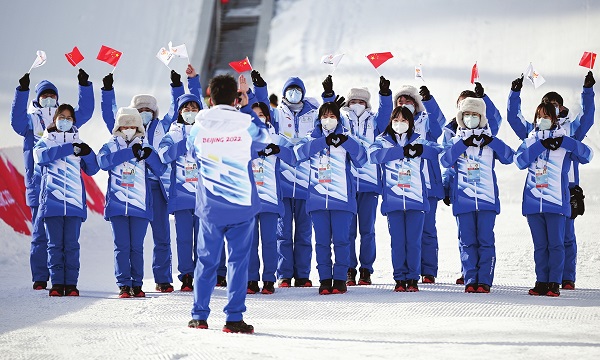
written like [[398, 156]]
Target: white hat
[[471, 104], [413, 93], [127, 116], [145, 100], [359, 94]]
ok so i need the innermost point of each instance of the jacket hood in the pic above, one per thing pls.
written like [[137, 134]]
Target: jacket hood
[[184, 99], [294, 81], [43, 86]]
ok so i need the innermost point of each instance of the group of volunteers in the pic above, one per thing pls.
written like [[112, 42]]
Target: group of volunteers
[[251, 172]]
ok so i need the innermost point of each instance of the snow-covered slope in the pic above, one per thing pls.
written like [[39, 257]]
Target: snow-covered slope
[[447, 37]]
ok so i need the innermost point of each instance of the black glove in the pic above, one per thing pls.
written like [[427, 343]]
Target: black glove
[[517, 84], [271, 149], [479, 91], [175, 79], [108, 82], [339, 140], [447, 201], [144, 153], [81, 149], [340, 101], [329, 139], [24, 82], [328, 86], [412, 151], [470, 141], [384, 87], [136, 149], [552, 143], [589, 80], [485, 140], [257, 80], [576, 200], [424, 92], [83, 77]]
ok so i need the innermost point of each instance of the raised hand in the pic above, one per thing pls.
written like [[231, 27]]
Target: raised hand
[[108, 81], [24, 82], [257, 80], [175, 79], [517, 84]]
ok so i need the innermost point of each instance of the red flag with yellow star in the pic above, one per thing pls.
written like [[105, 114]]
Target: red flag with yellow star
[[241, 65], [379, 58], [109, 55]]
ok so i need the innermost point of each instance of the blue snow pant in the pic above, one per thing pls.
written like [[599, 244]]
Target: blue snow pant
[[267, 221], [477, 246], [186, 226], [161, 234], [406, 230], [366, 203], [570, 270], [128, 234], [222, 269], [295, 253], [210, 245], [63, 248], [548, 233], [38, 255], [332, 226], [429, 242]]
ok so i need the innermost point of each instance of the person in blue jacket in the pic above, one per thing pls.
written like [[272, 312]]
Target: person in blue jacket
[[449, 131], [224, 141], [332, 194], [128, 158], [61, 157], [473, 153], [183, 183], [266, 170], [31, 124], [364, 125], [402, 153], [429, 120], [576, 127], [295, 117], [155, 129], [547, 154]]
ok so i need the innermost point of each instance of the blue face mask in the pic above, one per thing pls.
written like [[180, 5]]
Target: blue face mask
[[146, 117], [64, 125], [47, 102], [293, 95]]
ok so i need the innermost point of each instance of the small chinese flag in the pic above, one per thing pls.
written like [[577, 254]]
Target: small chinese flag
[[74, 57], [109, 55], [587, 60], [241, 65], [379, 58], [474, 74]]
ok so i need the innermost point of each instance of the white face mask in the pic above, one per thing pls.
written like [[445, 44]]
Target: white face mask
[[293, 95], [557, 111], [189, 117], [410, 107], [471, 121], [329, 123], [47, 102], [129, 133], [64, 125], [357, 108], [400, 127], [146, 117], [263, 119], [544, 124]]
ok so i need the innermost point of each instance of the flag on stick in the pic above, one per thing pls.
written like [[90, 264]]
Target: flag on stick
[[474, 73], [332, 59], [587, 60], [179, 50], [165, 56], [109, 55], [74, 57], [241, 65], [379, 58], [536, 79], [40, 59], [419, 72]]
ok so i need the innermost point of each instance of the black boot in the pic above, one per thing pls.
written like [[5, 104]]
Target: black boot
[[326, 288], [351, 277], [252, 287], [57, 290], [365, 277], [238, 327], [186, 283], [540, 289], [339, 287]]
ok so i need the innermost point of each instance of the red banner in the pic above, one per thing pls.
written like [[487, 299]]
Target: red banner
[[13, 206], [95, 198]]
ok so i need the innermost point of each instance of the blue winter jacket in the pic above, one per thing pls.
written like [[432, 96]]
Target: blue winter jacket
[[31, 125], [547, 184], [128, 192], [475, 187], [575, 127], [404, 186], [294, 126], [62, 190], [223, 142]]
